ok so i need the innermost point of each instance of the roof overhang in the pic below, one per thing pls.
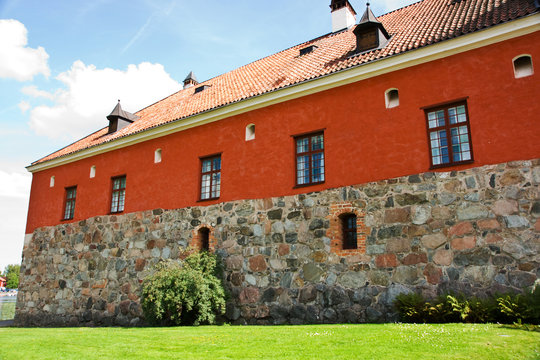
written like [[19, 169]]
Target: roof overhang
[[508, 30]]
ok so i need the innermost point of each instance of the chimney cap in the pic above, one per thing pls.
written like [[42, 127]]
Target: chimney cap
[[338, 4], [190, 77]]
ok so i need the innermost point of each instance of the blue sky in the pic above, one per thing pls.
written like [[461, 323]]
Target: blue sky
[[64, 64]]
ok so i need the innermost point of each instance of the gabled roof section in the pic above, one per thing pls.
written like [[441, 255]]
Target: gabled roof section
[[418, 25], [119, 113]]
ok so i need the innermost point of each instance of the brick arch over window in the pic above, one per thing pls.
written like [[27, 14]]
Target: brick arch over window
[[202, 238], [339, 213]]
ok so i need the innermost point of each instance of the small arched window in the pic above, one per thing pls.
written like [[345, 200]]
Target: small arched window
[[93, 171], [250, 132], [51, 182], [204, 238], [157, 156], [523, 66], [391, 97], [348, 226]]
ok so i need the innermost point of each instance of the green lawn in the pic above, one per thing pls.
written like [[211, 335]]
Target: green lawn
[[387, 341]]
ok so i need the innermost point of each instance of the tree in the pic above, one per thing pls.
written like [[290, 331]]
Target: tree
[[11, 273]]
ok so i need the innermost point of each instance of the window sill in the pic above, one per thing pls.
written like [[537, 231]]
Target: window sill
[[306, 185], [66, 219], [434, 167], [209, 199]]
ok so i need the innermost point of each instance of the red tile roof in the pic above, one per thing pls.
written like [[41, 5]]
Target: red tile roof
[[412, 27]]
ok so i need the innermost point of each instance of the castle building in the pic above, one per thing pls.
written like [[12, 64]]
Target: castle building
[[396, 153]]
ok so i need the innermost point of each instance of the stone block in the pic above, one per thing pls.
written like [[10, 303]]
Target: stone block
[[521, 279], [398, 245], [472, 212], [421, 214], [410, 199], [467, 242], [234, 262], [488, 224], [493, 238], [433, 241], [257, 263], [248, 295], [405, 275], [433, 274], [511, 177], [312, 272], [399, 215], [505, 207], [443, 257], [386, 261], [414, 258], [460, 229], [516, 221], [352, 279]]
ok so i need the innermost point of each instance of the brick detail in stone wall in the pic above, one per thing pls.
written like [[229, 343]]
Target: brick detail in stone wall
[[335, 231]]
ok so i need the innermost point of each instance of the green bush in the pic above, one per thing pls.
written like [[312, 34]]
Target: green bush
[[186, 292], [501, 308]]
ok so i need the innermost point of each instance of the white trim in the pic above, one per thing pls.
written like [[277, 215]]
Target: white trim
[[505, 31]]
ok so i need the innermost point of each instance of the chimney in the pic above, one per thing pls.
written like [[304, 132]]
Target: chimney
[[190, 80], [343, 15]]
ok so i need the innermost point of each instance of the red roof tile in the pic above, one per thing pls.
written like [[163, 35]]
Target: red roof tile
[[417, 25]]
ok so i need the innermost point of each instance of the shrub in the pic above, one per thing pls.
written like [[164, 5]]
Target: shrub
[[502, 308], [186, 292]]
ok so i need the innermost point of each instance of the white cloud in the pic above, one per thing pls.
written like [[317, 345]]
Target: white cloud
[[24, 106], [90, 94], [17, 61], [33, 91], [15, 184]]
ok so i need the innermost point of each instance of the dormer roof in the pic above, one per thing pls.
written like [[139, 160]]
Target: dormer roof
[[118, 112]]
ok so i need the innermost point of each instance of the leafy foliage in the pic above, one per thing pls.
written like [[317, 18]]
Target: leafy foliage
[[501, 308], [186, 292], [11, 273]]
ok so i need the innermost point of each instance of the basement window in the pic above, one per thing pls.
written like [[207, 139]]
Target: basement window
[[51, 182], [523, 66], [307, 49], [157, 156], [250, 132], [348, 227], [391, 98], [93, 171]]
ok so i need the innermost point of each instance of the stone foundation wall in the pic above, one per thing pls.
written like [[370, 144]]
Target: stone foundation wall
[[475, 231]]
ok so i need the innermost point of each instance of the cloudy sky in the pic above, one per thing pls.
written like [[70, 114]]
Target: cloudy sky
[[64, 64]]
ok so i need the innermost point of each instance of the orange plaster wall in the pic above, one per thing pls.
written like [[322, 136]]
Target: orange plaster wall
[[364, 141]]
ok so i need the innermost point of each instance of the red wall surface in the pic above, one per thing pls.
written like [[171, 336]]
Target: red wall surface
[[364, 141]]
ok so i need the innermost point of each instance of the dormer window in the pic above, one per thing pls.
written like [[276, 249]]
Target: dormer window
[[201, 88], [307, 50], [370, 33], [119, 119]]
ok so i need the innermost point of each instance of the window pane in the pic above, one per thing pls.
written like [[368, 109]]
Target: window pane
[[317, 142], [302, 145], [436, 119], [217, 164], [439, 147], [317, 166], [206, 166]]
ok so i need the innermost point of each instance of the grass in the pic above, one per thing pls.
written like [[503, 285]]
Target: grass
[[370, 341], [7, 310]]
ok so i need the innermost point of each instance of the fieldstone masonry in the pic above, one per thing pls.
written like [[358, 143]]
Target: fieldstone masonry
[[475, 231]]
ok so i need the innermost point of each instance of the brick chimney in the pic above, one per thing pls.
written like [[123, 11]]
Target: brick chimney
[[343, 15]]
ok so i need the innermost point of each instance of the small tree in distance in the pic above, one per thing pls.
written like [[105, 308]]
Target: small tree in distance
[[11, 273]]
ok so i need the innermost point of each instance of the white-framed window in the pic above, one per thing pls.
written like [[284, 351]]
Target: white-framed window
[[522, 66], [157, 156], [250, 132], [92, 171], [391, 97]]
